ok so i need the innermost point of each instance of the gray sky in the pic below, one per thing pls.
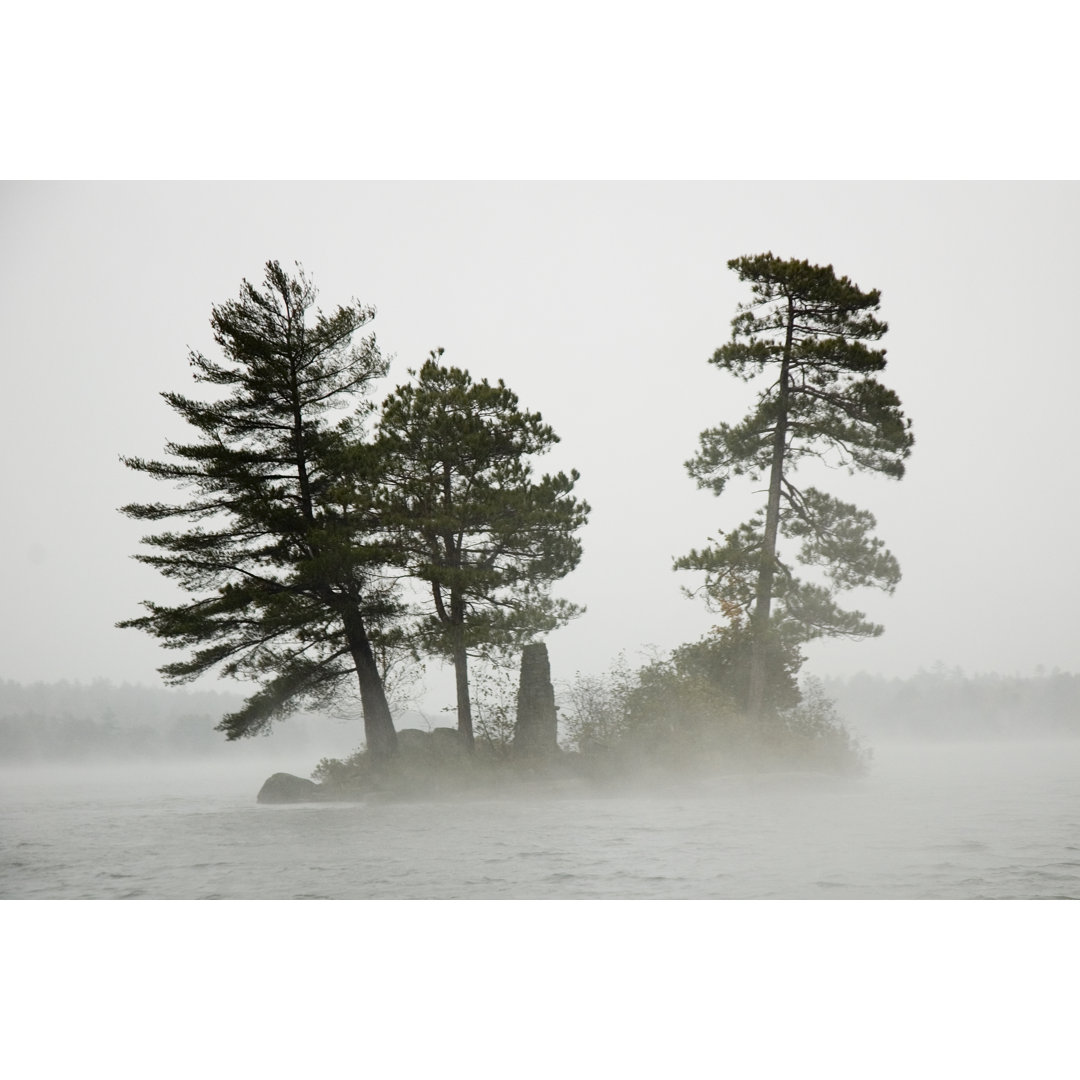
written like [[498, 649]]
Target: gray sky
[[599, 304]]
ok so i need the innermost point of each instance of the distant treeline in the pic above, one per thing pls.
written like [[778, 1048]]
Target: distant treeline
[[72, 721], [944, 703]]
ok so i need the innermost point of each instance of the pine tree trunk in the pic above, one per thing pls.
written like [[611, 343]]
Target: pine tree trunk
[[379, 733], [464, 703], [461, 669], [763, 597]]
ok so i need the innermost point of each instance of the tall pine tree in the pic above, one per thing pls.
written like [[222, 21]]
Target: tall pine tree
[[280, 554], [806, 331]]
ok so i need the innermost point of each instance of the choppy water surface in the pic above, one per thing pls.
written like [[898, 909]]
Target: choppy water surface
[[961, 821]]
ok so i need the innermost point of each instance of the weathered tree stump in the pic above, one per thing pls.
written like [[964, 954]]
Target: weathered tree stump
[[536, 729]]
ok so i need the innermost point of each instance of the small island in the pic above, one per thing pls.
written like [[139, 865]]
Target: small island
[[320, 555], [607, 751]]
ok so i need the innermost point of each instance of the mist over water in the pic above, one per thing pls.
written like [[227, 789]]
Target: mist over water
[[939, 821]]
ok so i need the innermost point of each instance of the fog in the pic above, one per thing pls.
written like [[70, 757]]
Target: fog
[[968, 791], [971, 820], [598, 302]]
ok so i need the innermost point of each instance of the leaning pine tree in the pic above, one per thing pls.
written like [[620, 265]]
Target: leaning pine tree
[[280, 555], [805, 329]]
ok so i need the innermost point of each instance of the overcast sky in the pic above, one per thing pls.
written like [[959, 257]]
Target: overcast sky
[[599, 303]]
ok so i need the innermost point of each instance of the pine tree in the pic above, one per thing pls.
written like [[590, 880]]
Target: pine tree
[[806, 330], [281, 554], [486, 538]]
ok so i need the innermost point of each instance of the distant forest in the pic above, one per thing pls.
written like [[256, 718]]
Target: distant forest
[[73, 721], [944, 703]]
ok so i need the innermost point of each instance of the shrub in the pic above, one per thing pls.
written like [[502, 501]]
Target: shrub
[[687, 708], [594, 714], [493, 684], [340, 771], [813, 733]]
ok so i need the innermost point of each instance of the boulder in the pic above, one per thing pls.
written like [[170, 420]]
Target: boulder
[[283, 787], [447, 741], [432, 746], [413, 739]]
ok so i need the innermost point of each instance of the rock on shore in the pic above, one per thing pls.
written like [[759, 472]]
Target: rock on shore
[[283, 787]]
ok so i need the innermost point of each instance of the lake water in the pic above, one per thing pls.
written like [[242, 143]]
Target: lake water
[[959, 821]]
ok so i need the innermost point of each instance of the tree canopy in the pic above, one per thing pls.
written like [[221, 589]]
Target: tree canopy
[[280, 552], [806, 331]]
